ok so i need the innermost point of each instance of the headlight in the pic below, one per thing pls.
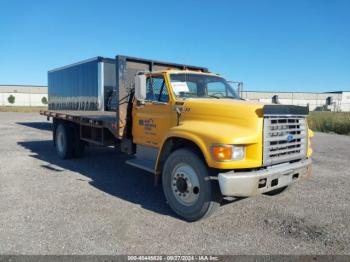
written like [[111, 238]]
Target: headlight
[[228, 152]]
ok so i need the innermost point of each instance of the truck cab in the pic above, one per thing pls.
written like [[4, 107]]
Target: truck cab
[[191, 129]]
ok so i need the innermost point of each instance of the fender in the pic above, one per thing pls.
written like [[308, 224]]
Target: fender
[[206, 133]]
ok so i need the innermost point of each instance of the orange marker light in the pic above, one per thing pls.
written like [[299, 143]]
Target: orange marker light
[[222, 153]]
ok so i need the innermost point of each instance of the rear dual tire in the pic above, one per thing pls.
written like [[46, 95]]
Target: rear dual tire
[[67, 141], [188, 187]]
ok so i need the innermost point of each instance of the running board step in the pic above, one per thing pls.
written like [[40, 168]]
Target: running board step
[[144, 164]]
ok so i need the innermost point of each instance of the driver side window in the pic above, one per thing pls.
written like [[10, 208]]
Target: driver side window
[[156, 89]]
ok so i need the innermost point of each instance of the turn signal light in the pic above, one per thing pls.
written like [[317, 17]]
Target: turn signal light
[[228, 152], [222, 153]]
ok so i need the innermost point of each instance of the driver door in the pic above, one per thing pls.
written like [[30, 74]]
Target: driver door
[[151, 120]]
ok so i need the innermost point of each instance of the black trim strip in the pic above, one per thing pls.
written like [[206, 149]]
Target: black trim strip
[[285, 110]]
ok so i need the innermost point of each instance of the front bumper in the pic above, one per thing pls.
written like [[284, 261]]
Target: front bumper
[[251, 183]]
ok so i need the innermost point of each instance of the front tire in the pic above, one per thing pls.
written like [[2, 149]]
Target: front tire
[[187, 186]]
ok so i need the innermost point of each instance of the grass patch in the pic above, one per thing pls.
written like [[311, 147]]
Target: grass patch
[[330, 122], [22, 109]]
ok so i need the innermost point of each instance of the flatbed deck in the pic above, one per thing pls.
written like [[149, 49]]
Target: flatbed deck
[[98, 127], [99, 118]]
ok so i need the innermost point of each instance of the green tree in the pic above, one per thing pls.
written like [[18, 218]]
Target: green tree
[[11, 99], [44, 100]]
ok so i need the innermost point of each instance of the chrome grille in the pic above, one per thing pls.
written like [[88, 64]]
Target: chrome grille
[[285, 139]]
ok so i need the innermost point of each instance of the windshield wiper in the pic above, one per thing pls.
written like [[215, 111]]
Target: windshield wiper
[[233, 97], [217, 97]]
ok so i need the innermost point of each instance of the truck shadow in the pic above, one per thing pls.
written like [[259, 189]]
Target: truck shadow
[[108, 173], [38, 125]]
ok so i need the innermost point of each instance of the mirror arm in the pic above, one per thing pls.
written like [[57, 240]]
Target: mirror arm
[[178, 114]]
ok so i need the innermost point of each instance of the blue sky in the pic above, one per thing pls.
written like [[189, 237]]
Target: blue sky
[[284, 45]]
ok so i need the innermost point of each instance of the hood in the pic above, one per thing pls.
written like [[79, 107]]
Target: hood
[[222, 121], [236, 111]]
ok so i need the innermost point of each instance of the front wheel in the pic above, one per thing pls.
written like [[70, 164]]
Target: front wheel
[[187, 186]]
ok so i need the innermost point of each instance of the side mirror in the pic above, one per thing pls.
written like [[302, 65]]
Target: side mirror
[[140, 87]]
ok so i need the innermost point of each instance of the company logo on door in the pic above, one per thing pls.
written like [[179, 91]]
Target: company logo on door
[[147, 123]]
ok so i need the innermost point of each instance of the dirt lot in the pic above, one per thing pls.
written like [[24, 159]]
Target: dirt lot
[[99, 205]]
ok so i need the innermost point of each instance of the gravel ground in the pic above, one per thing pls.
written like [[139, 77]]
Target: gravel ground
[[100, 205]]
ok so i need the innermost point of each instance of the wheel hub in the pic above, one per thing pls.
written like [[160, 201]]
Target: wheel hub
[[185, 184], [181, 185]]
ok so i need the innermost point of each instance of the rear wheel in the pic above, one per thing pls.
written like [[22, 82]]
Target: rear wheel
[[79, 148], [63, 142], [187, 186], [79, 145]]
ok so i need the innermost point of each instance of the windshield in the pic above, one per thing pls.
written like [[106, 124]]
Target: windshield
[[201, 86]]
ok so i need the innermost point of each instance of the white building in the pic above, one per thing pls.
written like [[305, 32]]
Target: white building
[[337, 101], [24, 95], [29, 95]]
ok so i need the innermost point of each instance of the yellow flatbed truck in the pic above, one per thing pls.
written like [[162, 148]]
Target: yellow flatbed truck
[[188, 127]]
